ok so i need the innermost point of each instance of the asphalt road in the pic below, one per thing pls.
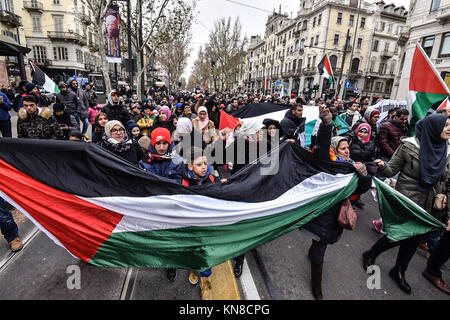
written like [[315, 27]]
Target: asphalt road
[[278, 270]]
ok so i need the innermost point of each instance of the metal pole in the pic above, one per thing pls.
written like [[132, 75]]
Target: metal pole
[[130, 54], [117, 80], [342, 64], [353, 47]]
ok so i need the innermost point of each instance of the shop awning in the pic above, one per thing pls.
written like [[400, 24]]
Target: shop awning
[[10, 49]]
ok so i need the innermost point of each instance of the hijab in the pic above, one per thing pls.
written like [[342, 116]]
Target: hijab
[[335, 142], [368, 128], [167, 111], [205, 122], [433, 149]]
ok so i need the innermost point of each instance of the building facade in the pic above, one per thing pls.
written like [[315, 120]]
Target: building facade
[[428, 23], [345, 30]]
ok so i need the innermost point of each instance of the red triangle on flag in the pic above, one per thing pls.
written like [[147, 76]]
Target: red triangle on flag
[[227, 121], [424, 77]]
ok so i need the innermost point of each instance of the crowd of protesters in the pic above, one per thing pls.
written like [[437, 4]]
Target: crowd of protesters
[[150, 133]]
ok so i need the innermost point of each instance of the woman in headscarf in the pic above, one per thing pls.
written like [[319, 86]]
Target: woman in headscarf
[[205, 126], [326, 227], [424, 165], [164, 120], [116, 140], [362, 148]]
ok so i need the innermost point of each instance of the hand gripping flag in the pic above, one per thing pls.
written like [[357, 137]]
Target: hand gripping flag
[[426, 87], [109, 213]]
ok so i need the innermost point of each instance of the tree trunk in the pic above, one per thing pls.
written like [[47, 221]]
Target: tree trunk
[[101, 36]]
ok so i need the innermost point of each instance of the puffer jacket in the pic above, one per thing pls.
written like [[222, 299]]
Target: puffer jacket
[[171, 168], [389, 137], [70, 100], [406, 161], [5, 106], [117, 112], [41, 125]]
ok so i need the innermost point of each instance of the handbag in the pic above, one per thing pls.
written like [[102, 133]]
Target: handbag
[[347, 216]]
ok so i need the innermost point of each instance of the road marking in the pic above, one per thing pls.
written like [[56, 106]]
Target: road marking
[[248, 284], [27, 239], [223, 282], [127, 289]]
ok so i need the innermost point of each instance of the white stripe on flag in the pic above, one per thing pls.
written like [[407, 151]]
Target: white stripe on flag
[[178, 211]]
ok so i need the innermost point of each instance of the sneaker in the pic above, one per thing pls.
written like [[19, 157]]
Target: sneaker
[[193, 277], [206, 287], [16, 245], [424, 246], [171, 274], [86, 136]]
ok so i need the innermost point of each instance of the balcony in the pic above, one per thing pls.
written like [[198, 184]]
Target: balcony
[[356, 73], [43, 62], [33, 6], [403, 38], [10, 19], [387, 54], [309, 71], [443, 15], [66, 36]]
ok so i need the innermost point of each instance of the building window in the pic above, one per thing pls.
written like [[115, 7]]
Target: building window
[[381, 26], [363, 23], [339, 18], [390, 26], [56, 2], [36, 23], [314, 22], [351, 21], [79, 54], [382, 69], [60, 53], [378, 86], [336, 40], [317, 40], [355, 65], [428, 43], [375, 46], [319, 20], [58, 22], [312, 42], [435, 5], [445, 45], [359, 44], [39, 53], [333, 61]]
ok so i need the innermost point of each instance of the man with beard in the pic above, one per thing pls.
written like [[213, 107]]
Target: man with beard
[[293, 124], [391, 132], [116, 110]]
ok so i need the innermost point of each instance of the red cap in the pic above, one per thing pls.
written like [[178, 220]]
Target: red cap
[[160, 134]]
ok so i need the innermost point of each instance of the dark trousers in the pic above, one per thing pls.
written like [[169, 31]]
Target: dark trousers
[[317, 252], [5, 128], [439, 256], [8, 227], [406, 251]]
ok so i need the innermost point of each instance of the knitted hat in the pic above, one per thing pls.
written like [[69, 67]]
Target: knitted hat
[[111, 124], [132, 125], [144, 142], [30, 86], [161, 134]]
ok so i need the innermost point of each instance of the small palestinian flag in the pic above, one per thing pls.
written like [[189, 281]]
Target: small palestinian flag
[[117, 215], [426, 87], [41, 79], [444, 105], [325, 69]]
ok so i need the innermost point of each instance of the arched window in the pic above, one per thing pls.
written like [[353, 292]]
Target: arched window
[[355, 65], [333, 61]]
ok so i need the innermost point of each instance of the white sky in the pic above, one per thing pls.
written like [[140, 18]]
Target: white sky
[[252, 20]]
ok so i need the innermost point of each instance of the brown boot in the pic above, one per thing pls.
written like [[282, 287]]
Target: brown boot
[[16, 244], [316, 280]]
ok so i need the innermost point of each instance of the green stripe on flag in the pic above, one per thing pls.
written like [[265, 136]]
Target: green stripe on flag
[[421, 105], [402, 218], [200, 248]]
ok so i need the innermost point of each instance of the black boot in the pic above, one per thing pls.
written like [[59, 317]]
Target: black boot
[[358, 203], [368, 260], [239, 261], [399, 277], [171, 274], [316, 280]]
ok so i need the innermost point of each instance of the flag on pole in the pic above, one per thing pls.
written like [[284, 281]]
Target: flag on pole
[[41, 79], [120, 216], [426, 87], [325, 69]]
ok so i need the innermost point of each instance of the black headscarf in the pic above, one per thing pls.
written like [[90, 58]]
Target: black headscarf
[[433, 149]]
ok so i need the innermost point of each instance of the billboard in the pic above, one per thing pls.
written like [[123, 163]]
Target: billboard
[[112, 21]]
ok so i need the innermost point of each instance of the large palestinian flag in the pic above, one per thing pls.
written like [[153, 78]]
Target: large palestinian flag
[[426, 87], [252, 116], [41, 79], [107, 212]]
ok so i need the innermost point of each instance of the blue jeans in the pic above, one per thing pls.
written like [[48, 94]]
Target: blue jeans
[[7, 225], [85, 122]]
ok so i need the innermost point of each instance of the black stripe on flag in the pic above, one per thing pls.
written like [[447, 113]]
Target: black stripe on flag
[[38, 75]]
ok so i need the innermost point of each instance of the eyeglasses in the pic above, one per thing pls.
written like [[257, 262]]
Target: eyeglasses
[[117, 130]]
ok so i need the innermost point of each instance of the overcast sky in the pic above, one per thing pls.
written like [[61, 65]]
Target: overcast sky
[[252, 20]]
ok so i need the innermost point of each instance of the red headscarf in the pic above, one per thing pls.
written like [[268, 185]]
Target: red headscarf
[[368, 128]]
